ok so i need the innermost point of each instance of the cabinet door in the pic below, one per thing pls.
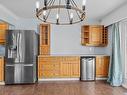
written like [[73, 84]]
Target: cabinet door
[[102, 66], [3, 28], [65, 69], [75, 69], [44, 50], [2, 36], [106, 65], [46, 70], [95, 35], [1, 69], [99, 66], [70, 67], [44, 39], [56, 70], [48, 67]]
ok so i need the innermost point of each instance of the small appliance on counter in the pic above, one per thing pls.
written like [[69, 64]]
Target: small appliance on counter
[[20, 56], [87, 68]]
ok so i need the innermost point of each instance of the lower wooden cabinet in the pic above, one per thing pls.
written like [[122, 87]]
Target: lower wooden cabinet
[[58, 67], [102, 66], [1, 69], [68, 66]]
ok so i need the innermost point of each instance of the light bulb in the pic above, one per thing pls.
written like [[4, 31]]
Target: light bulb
[[57, 16], [44, 13], [37, 4], [71, 15], [84, 2], [71, 18]]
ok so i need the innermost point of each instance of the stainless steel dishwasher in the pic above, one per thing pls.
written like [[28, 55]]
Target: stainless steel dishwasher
[[87, 68]]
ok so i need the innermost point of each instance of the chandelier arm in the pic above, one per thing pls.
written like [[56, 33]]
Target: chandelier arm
[[78, 15], [59, 7], [48, 14], [68, 14], [73, 3], [50, 10], [49, 2]]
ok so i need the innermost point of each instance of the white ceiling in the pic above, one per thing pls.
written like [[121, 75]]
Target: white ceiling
[[95, 9]]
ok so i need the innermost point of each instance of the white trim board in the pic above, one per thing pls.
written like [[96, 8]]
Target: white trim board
[[65, 79], [2, 83], [58, 79], [101, 78]]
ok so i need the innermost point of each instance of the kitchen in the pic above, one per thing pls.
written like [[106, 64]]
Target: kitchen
[[62, 50]]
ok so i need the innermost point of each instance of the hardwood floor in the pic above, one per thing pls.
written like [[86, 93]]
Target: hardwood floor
[[63, 88]]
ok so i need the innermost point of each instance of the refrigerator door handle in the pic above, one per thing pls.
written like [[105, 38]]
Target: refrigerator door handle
[[9, 65], [28, 65]]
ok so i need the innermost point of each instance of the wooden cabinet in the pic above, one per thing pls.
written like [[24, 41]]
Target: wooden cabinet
[[102, 66], [44, 39], [94, 35], [70, 67], [3, 28], [1, 69], [48, 67], [58, 67]]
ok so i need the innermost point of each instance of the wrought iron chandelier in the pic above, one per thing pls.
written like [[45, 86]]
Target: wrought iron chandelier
[[60, 12]]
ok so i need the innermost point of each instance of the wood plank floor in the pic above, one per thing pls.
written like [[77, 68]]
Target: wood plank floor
[[63, 88]]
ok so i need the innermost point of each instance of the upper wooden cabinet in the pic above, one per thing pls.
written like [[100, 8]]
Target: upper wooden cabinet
[[3, 28], [94, 35], [44, 39], [102, 66]]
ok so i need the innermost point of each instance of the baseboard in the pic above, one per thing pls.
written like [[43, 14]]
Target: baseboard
[[101, 78], [2, 83], [57, 79]]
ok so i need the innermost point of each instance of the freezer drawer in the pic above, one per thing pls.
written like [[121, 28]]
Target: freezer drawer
[[27, 74], [9, 74], [88, 68], [19, 73]]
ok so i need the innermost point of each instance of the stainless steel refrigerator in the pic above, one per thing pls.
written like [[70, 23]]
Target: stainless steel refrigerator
[[20, 56]]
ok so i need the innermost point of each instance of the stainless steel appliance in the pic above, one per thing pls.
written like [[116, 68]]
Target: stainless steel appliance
[[20, 56], [87, 68]]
